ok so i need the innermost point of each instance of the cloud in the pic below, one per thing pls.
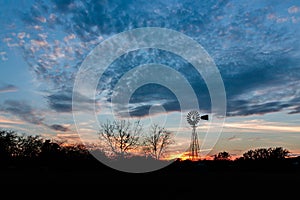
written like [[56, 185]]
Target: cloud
[[148, 95], [70, 137], [261, 125], [58, 127], [255, 46], [64, 5], [3, 55], [295, 110], [293, 9], [5, 120], [266, 97], [244, 108], [61, 101], [8, 88], [234, 138], [25, 112]]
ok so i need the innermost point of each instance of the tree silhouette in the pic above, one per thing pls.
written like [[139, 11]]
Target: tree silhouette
[[222, 156], [75, 151], [8, 144], [13, 145], [157, 141], [50, 150], [277, 153], [121, 136], [29, 146]]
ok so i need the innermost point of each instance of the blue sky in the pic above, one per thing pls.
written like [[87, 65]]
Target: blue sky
[[254, 44]]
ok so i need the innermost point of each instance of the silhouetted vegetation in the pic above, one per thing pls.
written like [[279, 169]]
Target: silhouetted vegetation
[[277, 153], [124, 137], [222, 156], [121, 136], [13, 145], [157, 141], [28, 154]]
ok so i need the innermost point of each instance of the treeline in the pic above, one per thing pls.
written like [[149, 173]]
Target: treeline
[[35, 155], [16, 149], [272, 159], [271, 153], [16, 146], [121, 138]]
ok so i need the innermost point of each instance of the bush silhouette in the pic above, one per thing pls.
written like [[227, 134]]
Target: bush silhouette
[[277, 153], [8, 144], [222, 156]]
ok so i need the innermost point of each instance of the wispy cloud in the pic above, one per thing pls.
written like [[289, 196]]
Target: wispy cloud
[[8, 88], [261, 125], [70, 137], [293, 9], [3, 55], [61, 101], [22, 110], [5, 120], [234, 138], [27, 114], [295, 110]]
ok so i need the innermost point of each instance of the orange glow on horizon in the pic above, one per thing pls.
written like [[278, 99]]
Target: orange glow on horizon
[[186, 156]]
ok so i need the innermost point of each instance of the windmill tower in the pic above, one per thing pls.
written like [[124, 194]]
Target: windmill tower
[[193, 118]]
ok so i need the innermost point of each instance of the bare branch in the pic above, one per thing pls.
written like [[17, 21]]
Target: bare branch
[[157, 141], [121, 136]]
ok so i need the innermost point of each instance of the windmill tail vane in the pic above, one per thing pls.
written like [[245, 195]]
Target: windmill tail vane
[[204, 117]]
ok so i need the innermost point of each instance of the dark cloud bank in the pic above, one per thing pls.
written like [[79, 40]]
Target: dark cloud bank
[[25, 112]]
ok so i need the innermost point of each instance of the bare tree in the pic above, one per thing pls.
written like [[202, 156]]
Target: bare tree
[[121, 136], [157, 141]]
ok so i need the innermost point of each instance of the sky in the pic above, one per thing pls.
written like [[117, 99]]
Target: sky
[[255, 46]]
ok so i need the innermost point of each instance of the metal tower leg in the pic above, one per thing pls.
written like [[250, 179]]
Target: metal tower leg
[[194, 146]]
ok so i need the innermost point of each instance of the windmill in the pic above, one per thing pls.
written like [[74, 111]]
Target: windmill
[[193, 118]]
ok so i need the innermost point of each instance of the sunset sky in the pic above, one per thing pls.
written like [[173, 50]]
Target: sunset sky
[[254, 44]]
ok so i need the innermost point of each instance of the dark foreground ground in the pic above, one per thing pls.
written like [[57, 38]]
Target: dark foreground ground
[[184, 174], [179, 180]]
